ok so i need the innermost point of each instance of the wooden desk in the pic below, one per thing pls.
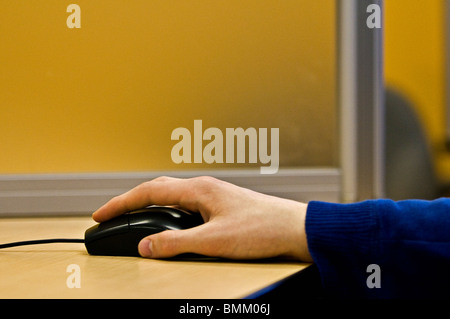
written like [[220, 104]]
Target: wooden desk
[[40, 271]]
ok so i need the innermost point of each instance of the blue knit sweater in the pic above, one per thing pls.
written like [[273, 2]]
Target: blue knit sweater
[[407, 241]]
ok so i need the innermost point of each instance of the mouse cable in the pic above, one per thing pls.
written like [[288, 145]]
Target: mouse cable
[[41, 241]]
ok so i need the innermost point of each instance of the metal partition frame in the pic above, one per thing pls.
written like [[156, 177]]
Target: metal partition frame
[[361, 100]]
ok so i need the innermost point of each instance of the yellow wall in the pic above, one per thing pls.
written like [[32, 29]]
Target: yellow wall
[[414, 61], [106, 97]]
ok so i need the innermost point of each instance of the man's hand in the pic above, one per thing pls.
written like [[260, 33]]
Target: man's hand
[[239, 223]]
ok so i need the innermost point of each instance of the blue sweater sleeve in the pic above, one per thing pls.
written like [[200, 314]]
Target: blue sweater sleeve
[[408, 241]]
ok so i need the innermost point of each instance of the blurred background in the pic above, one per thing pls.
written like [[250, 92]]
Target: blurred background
[[105, 98], [416, 59]]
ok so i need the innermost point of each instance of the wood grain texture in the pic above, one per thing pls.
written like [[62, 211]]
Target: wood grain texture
[[40, 271]]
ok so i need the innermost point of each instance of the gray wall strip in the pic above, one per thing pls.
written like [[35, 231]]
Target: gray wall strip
[[81, 194]]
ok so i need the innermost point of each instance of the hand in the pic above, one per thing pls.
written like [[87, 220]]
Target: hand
[[239, 223]]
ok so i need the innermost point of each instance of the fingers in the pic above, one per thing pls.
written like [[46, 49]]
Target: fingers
[[171, 243], [160, 191], [163, 245], [239, 223]]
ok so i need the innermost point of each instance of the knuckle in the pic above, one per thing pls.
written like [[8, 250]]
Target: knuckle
[[142, 186], [205, 183], [161, 179], [147, 184], [207, 179]]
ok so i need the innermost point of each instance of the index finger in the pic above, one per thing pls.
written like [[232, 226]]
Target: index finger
[[159, 191]]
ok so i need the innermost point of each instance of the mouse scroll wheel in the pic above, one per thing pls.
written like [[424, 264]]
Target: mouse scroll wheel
[[128, 220]]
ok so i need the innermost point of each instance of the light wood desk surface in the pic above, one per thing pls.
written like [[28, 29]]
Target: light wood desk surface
[[40, 271]]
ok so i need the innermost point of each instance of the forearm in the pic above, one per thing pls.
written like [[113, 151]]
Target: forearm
[[408, 240]]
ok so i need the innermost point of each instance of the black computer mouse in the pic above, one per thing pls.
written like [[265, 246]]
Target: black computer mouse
[[121, 235]]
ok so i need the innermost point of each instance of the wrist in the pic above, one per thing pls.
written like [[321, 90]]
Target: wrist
[[299, 248]]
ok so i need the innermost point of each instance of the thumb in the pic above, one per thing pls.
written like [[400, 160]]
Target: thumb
[[168, 243]]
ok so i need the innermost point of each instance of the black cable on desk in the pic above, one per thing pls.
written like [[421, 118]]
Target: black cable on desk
[[41, 241]]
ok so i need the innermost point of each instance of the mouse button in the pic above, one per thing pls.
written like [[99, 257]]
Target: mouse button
[[183, 217], [108, 228], [150, 220], [162, 210]]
